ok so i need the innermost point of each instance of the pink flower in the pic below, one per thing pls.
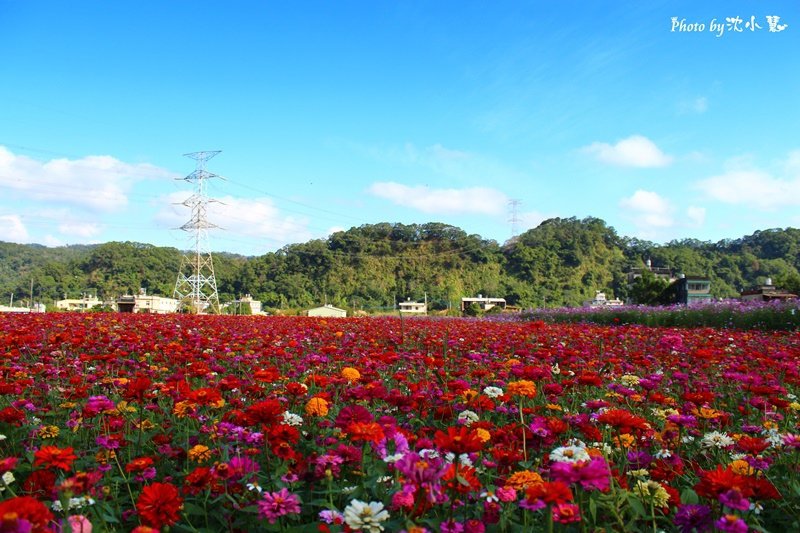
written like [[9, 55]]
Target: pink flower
[[273, 505], [79, 524], [506, 494], [593, 474]]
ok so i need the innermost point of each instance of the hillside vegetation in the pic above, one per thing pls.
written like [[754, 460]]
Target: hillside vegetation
[[561, 262]]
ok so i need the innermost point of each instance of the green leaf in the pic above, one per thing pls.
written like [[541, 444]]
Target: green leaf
[[689, 496]]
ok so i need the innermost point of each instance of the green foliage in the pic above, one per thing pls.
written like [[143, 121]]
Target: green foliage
[[562, 262]]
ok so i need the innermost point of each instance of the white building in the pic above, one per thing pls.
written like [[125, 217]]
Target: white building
[[484, 302], [600, 300], [327, 310], [142, 303], [78, 304], [413, 308]]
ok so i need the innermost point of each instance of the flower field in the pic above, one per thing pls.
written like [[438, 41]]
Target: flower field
[[122, 422]]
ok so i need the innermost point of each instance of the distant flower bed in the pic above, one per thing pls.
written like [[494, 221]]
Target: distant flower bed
[[123, 422], [776, 315]]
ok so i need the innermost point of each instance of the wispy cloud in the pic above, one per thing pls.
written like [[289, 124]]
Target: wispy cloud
[[697, 105], [472, 200], [251, 218], [12, 229], [744, 184], [99, 183], [634, 151]]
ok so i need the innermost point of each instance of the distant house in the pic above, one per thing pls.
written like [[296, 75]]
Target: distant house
[[75, 304], [255, 305], [327, 310], [37, 308], [766, 293], [689, 290], [413, 308], [142, 303], [484, 302], [659, 272], [600, 300]]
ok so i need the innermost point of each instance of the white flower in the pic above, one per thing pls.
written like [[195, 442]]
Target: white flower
[[362, 516], [663, 453], [570, 454], [8, 479], [3, 437], [254, 486], [554, 369], [686, 439], [463, 459], [716, 439], [493, 392], [291, 419], [427, 453], [393, 458], [467, 417]]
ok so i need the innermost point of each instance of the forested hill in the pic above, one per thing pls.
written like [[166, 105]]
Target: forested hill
[[561, 262]]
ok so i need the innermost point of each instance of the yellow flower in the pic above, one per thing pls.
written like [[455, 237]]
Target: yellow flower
[[469, 395], [625, 440], [554, 407], [483, 434], [522, 387], [652, 491], [351, 374], [48, 432], [629, 379], [199, 453], [317, 407], [794, 406]]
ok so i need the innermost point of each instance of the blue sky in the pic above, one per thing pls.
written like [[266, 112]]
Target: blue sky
[[334, 114]]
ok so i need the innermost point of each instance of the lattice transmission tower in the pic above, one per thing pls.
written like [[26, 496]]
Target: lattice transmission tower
[[513, 216], [196, 287]]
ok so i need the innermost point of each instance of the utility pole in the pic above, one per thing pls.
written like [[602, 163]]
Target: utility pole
[[196, 286]]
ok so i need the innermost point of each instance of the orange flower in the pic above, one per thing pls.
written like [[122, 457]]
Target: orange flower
[[522, 387], [139, 464], [317, 407], [523, 479], [351, 374], [199, 453], [366, 431], [55, 457]]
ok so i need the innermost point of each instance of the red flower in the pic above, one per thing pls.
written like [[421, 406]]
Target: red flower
[[54, 457], [205, 396], [139, 464], [458, 440], [158, 505], [549, 493], [715, 482], [752, 445], [623, 420], [24, 508]]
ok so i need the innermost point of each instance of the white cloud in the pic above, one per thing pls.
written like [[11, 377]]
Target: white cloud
[[252, 218], [79, 229], [98, 183], [12, 228], [699, 106], [334, 229], [696, 215], [473, 200], [648, 210], [635, 151], [755, 187], [532, 219]]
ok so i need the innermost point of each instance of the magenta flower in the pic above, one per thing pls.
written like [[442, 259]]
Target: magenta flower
[[593, 474], [273, 505], [731, 524], [733, 499]]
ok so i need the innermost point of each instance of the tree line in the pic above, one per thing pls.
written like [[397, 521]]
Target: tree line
[[561, 262]]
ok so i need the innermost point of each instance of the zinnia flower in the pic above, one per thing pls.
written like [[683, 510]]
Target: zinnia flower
[[55, 457], [362, 516], [24, 514], [158, 505], [317, 407], [276, 504], [522, 387]]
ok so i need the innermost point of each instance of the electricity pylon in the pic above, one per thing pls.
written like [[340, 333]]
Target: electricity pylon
[[196, 287]]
